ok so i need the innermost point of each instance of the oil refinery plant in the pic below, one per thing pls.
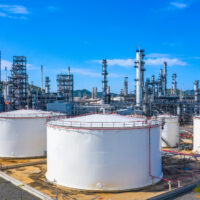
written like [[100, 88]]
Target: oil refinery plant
[[57, 145], [151, 96]]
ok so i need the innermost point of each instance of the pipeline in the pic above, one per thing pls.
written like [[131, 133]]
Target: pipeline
[[174, 152], [181, 153]]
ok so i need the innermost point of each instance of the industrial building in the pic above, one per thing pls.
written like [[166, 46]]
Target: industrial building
[[152, 97], [104, 143]]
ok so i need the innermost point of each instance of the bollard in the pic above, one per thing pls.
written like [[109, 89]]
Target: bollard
[[152, 180], [170, 186], [179, 184]]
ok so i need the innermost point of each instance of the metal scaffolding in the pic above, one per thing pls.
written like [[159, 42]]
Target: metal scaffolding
[[18, 84], [65, 83], [104, 81]]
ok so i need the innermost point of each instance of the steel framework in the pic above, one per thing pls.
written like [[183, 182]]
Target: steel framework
[[18, 83]]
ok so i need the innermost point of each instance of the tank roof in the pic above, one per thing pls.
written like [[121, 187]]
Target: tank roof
[[29, 114], [104, 121]]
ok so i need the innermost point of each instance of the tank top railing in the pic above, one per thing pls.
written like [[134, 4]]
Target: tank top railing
[[39, 115], [104, 124]]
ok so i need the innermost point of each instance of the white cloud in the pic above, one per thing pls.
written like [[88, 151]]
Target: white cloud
[[153, 59], [157, 55], [8, 64], [85, 72], [13, 11], [120, 62], [160, 61], [177, 5]]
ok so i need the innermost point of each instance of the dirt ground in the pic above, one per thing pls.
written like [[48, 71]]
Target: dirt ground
[[174, 167], [35, 177]]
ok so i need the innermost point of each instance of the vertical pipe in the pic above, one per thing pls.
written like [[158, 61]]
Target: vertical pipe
[[6, 74], [149, 150], [41, 78], [125, 86], [153, 87], [0, 66], [68, 70], [196, 88], [161, 83], [6, 86], [165, 78]]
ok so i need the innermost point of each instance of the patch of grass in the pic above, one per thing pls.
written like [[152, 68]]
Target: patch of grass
[[197, 189]]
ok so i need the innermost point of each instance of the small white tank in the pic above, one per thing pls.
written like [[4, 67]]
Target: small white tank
[[170, 130], [196, 134], [23, 133], [103, 152]]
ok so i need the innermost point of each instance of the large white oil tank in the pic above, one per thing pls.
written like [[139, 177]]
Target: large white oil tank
[[23, 133], [103, 152], [196, 134], [169, 130]]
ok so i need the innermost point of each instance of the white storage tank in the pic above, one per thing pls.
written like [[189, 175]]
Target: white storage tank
[[103, 152], [196, 134], [169, 131], [23, 133]]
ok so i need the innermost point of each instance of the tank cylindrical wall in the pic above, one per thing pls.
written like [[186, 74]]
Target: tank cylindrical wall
[[106, 160], [22, 137], [170, 132], [196, 135]]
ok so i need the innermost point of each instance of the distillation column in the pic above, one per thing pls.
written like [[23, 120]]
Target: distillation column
[[139, 65], [174, 84], [160, 86], [153, 88], [94, 93], [196, 91], [196, 96], [104, 81], [41, 78], [47, 85], [125, 86], [165, 79]]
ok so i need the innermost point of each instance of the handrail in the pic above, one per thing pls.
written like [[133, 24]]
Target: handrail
[[27, 116], [103, 124]]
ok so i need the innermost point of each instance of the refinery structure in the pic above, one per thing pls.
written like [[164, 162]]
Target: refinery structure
[[61, 146], [151, 96]]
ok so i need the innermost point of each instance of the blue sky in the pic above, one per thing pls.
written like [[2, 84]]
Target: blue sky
[[80, 33]]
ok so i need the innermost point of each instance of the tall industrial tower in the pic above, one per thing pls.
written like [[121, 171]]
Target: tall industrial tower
[[104, 81], [70, 86], [18, 82], [65, 85], [125, 86], [174, 85], [47, 85], [165, 78], [196, 91], [139, 65], [94, 93]]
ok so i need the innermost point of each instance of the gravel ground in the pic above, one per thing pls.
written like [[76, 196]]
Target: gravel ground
[[8, 191]]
